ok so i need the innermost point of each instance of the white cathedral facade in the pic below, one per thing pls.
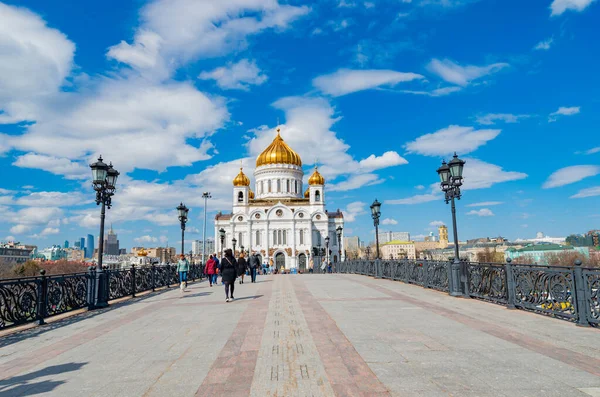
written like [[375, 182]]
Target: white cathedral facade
[[279, 220]]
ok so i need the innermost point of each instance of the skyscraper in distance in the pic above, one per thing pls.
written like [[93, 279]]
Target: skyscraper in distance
[[89, 247], [66, 244], [82, 243]]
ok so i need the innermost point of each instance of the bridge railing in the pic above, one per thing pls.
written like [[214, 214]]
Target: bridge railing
[[570, 293], [29, 299]]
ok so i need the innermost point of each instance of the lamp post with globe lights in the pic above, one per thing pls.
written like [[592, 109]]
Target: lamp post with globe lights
[[327, 250], [104, 180], [338, 232], [205, 196], [182, 212], [451, 179], [222, 237], [376, 214]]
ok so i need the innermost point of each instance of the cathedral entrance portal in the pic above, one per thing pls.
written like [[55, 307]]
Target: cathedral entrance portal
[[302, 263], [280, 261]]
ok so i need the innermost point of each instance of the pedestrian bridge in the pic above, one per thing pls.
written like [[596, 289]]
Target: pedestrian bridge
[[306, 335]]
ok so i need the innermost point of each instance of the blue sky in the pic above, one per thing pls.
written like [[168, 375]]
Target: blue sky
[[177, 93]]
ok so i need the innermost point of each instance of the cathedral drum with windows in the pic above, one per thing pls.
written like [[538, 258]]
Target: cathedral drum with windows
[[279, 220]]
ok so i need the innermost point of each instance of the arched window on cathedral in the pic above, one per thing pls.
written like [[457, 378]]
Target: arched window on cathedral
[[296, 187], [261, 187], [301, 237], [278, 185], [318, 239], [317, 196], [284, 237], [240, 239], [240, 197], [274, 237], [287, 186], [257, 240], [279, 237], [269, 186]]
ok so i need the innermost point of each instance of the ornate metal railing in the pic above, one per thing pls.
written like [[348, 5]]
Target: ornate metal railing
[[569, 293], [29, 299]]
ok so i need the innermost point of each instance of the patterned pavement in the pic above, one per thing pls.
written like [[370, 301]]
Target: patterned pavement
[[303, 335]]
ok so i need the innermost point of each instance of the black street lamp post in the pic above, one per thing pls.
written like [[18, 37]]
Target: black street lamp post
[[104, 179], [376, 214], [368, 252], [451, 177], [242, 249], [233, 242], [222, 237], [182, 212], [338, 231], [327, 249]]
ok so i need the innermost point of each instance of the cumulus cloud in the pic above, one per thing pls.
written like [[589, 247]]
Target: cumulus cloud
[[20, 229], [56, 165], [462, 75], [544, 44], [485, 204], [436, 224], [481, 212], [481, 175], [451, 139], [50, 230], [572, 174], [346, 81], [492, 118], [389, 221], [563, 111], [558, 7], [388, 159], [236, 76], [145, 239], [53, 199], [353, 210]]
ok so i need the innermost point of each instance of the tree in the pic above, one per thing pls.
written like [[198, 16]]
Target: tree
[[27, 269]]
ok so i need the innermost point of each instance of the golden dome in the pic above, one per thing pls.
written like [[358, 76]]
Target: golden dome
[[316, 178], [241, 179], [251, 195], [278, 152], [142, 252], [307, 193]]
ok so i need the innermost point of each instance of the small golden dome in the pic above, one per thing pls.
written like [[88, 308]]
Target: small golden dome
[[142, 252], [316, 178], [251, 195], [307, 193], [278, 152], [241, 179]]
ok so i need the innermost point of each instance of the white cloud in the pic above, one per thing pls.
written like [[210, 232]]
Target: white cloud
[[9, 238], [563, 111], [238, 76], [593, 150], [388, 159], [481, 175], [419, 187], [389, 221], [346, 4], [568, 175], [55, 165], [544, 44], [481, 212], [436, 224], [435, 93], [491, 118], [451, 139], [558, 7], [589, 192], [175, 32], [419, 198], [49, 231], [34, 62], [53, 199], [485, 204], [353, 210], [20, 229], [462, 75], [346, 81], [145, 239], [355, 182]]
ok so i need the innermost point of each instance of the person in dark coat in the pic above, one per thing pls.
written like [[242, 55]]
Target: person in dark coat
[[228, 273], [242, 265], [253, 264]]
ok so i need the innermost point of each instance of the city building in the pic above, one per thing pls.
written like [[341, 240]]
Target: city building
[[89, 247], [386, 237], [66, 244], [77, 255], [279, 222], [197, 246], [542, 238], [77, 244], [433, 244], [82, 243], [398, 250], [352, 243], [538, 253], [15, 253], [163, 254], [54, 253], [122, 251], [111, 243]]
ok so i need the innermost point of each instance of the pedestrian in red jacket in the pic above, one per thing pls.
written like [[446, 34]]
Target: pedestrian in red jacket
[[211, 270]]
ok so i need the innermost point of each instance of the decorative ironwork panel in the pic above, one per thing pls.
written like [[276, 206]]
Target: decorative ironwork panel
[[66, 293], [161, 276], [416, 273], [547, 290], [119, 283], [143, 278], [592, 294], [387, 269], [195, 272], [487, 281], [19, 301], [437, 275]]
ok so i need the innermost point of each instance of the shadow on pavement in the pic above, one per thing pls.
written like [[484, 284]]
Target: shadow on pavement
[[249, 297], [18, 336], [188, 295], [25, 385]]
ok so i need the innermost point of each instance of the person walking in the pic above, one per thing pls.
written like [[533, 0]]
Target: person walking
[[228, 273], [323, 265], [253, 264], [329, 268], [183, 267], [242, 266], [311, 266], [211, 270]]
